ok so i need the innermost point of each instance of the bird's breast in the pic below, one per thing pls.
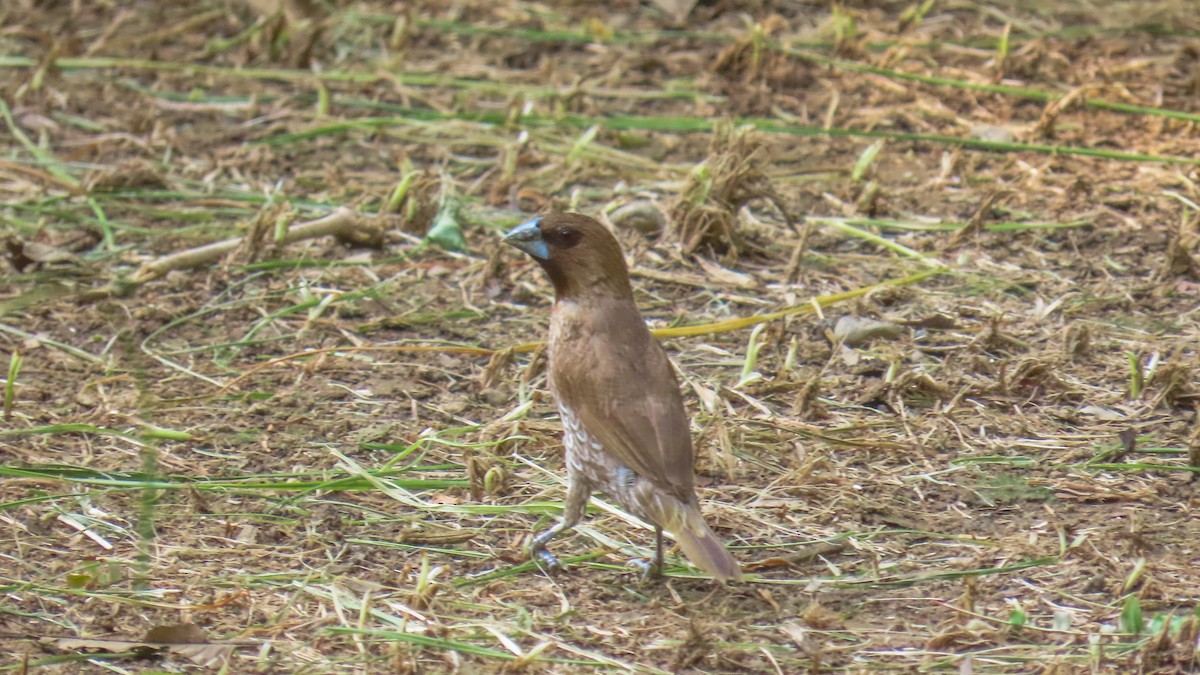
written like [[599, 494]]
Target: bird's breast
[[568, 323], [584, 454]]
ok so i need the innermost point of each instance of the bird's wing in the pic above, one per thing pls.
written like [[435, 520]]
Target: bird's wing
[[620, 384]]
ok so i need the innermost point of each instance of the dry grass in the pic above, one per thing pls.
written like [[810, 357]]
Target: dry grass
[[329, 456]]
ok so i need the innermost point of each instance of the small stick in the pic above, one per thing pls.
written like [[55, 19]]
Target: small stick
[[344, 223]]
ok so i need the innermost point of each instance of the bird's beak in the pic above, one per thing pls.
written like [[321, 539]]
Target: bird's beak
[[528, 238]]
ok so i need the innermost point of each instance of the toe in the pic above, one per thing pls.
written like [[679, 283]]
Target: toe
[[646, 569], [546, 559]]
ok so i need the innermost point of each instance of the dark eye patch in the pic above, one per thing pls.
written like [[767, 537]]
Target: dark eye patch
[[564, 237]]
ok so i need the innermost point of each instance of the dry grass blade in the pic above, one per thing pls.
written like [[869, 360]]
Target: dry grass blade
[[341, 451], [734, 174]]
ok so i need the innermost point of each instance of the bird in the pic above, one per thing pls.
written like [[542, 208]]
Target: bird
[[625, 429]]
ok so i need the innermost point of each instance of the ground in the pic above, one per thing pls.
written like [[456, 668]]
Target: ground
[[326, 453]]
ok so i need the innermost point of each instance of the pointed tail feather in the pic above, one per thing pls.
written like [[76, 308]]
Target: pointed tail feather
[[699, 543], [706, 551]]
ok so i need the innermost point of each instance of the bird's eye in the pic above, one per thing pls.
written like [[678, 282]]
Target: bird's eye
[[566, 237]]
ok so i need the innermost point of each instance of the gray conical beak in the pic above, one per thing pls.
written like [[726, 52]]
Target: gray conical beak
[[528, 237]]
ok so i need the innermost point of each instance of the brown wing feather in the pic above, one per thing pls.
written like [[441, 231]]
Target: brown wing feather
[[607, 367]]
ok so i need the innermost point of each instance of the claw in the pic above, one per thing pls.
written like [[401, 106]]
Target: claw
[[647, 569], [546, 558], [538, 552], [650, 568]]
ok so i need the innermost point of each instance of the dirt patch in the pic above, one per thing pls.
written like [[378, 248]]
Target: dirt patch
[[331, 454]]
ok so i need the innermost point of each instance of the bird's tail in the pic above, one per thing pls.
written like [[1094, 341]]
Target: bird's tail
[[699, 543]]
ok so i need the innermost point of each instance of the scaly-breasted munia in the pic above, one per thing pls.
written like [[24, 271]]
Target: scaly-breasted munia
[[624, 425]]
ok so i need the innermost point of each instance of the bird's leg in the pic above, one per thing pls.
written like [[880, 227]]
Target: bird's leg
[[578, 491], [651, 569], [658, 556]]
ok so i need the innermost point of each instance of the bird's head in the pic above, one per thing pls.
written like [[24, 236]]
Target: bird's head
[[579, 254]]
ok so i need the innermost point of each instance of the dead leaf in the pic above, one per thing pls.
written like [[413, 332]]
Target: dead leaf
[[804, 555], [819, 617], [726, 276], [708, 396], [209, 655], [933, 322], [993, 133], [186, 640], [855, 331], [1128, 438], [188, 633], [800, 635], [766, 564], [128, 175], [36, 122], [22, 254], [848, 356], [495, 368], [248, 534], [643, 216], [678, 10], [1103, 414]]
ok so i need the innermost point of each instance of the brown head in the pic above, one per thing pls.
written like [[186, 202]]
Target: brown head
[[580, 256]]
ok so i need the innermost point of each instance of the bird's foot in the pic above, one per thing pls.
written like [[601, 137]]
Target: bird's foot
[[647, 569], [546, 559], [538, 552]]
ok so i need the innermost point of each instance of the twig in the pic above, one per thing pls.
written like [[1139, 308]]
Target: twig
[[345, 224]]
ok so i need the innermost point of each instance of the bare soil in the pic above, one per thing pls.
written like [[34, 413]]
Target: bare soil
[[332, 455]]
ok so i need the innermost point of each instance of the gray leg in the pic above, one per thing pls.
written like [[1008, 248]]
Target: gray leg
[[578, 492], [651, 569], [658, 554]]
